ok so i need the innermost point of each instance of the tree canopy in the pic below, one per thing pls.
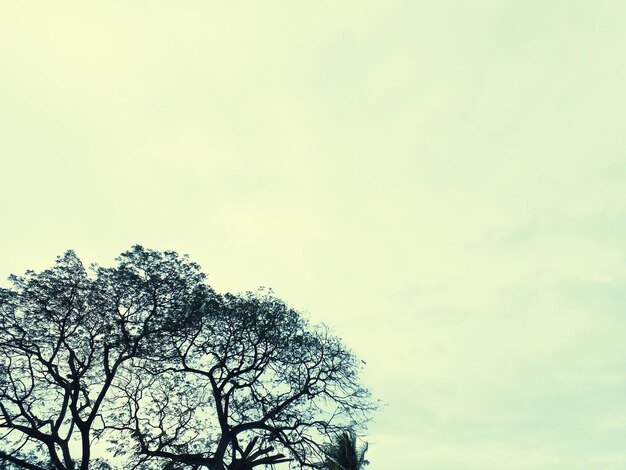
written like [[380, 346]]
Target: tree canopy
[[146, 360]]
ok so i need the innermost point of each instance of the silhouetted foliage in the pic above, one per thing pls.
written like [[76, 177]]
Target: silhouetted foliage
[[147, 358], [344, 453]]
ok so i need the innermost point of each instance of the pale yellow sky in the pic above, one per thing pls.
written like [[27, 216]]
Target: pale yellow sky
[[442, 182]]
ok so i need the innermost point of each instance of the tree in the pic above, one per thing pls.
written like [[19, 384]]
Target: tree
[[65, 335], [248, 383], [344, 453], [148, 358]]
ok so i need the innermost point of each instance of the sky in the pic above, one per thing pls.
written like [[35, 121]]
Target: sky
[[442, 182]]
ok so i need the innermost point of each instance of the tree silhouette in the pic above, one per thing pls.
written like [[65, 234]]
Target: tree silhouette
[[344, 453], [148, 358]]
